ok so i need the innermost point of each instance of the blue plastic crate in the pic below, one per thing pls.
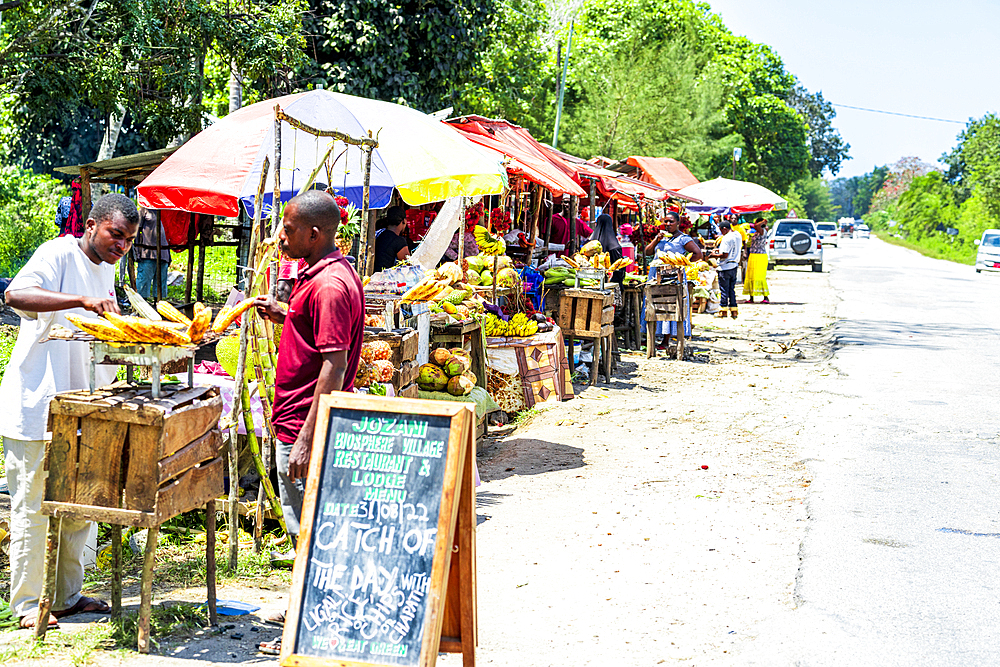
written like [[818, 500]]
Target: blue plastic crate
[[533, 281]]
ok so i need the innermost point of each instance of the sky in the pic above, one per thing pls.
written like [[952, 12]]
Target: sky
[[925, 58]]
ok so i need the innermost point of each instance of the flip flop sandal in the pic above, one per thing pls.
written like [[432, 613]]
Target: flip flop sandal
[[81, 608], [272, 647]]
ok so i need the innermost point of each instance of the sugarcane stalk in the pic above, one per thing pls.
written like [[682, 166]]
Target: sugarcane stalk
[[265, 478]]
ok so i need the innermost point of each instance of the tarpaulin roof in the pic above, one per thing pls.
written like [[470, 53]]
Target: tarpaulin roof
[[614, 185], [527, 156], [663, 171]]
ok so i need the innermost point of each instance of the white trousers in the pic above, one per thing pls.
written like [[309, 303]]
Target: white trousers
[[23, 461]]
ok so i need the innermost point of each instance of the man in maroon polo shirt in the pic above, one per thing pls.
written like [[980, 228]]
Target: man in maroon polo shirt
[[321, 340]]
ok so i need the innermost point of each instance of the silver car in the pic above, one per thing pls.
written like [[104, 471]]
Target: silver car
[[795, 241], [829, 232]]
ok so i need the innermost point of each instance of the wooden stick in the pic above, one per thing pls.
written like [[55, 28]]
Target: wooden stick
[[213, 617], [116, 571], [365, 202], [146, 592], [49, 587]]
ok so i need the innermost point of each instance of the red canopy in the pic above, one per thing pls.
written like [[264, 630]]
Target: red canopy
[[527, 156], [614, 185], [663, 171]]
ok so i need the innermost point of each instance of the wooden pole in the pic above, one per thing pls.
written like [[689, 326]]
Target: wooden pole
[[365, 202], [116, 571], [192, 231], [160, 287], [461, 233], [146, 590], [574, 208], [213, 617], [548, 227], [536, 216], [49, 587], [201, 265], [276, 201], [593, 194]]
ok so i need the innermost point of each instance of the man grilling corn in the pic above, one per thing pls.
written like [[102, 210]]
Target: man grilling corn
[[64, 276]]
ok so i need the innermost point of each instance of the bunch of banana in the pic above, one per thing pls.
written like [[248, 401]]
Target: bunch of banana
[[493, 326], [489, 244], [428, 289], [520, 325]]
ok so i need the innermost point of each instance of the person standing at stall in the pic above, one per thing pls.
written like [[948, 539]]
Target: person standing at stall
[[150, 270], [673, 240], [755, 283], [390, 247], [728, 252], [320, 343], [64, 276]]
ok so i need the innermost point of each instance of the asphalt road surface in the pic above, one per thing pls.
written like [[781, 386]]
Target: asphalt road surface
[[900, 561]]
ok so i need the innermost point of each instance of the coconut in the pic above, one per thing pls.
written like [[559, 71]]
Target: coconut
[[460, 385], [462, 353], [471, 376], [507, 277], [440, 356], [457, 364], [472, 277], [432, 378]]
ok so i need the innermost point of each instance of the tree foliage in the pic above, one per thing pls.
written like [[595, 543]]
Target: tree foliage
[[27, 215], [897, 181], [65, 65], [415, 53], [811, 199], [974, 164], [827, 149], [517, 84]]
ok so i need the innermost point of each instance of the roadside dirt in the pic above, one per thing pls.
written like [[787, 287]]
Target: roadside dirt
[[602, 538]]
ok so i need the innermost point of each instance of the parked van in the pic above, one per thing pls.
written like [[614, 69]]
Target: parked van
[[988, 256]]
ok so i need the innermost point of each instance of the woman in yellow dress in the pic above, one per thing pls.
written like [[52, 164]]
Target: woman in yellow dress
[[755, 282]]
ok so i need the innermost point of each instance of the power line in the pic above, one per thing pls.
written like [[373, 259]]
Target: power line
[[896, 113]]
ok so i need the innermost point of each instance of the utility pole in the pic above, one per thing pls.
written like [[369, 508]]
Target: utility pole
[[562, 87]]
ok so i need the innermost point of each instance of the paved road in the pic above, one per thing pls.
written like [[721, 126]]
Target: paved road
[[900, 561]]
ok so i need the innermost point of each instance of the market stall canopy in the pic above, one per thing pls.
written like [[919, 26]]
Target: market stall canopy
[[663, 171], [725, 196], [221, 166], [615, 185], [526, 155]]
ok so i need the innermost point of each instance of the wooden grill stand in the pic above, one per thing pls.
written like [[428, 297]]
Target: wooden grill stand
[[589, 315], [667, 303], [121, 457]]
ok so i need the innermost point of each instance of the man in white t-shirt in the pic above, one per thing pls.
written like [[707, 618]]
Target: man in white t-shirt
[[728, 253], [64, 275]]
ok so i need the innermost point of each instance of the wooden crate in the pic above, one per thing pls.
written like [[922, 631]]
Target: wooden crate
[[405, 374], [662, 303], [404, 343], [121, 457], [583, 312], [409, 391]]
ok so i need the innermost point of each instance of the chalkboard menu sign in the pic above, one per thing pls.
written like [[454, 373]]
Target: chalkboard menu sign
[[378, 521]]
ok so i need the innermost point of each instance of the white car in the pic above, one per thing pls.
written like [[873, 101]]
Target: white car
[[862, 232], [988, 254], [795, 241], [829, 232]]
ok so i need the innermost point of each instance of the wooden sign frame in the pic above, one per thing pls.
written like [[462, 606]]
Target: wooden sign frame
[[451, 609]]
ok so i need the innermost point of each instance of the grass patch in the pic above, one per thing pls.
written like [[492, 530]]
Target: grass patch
[[220, 274], [525, 417], [933, 253], [98, 640]]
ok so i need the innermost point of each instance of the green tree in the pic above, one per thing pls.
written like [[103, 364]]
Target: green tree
[[416, 53], [974, 164], [812, 200], [519, 83], [827, 149], [66, 66], [668, 111], [27, 215]]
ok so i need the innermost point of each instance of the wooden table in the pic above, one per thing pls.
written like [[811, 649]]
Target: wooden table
[[667, 302], [456, 335], [119, 456], [589, 315]]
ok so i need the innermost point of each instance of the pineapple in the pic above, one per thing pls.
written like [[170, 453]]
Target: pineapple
[[380, 350], [382, 370], [366, 353]]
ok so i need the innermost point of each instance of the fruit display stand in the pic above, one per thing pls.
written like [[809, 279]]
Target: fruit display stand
[[468, 336], [404, 345], [633, 316], [120, 456], [590, 315], [667, 302]]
